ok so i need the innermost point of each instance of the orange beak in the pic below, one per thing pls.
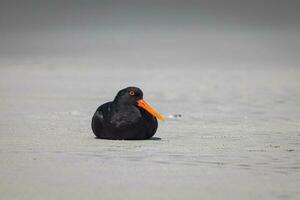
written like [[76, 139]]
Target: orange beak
[[143, 104]]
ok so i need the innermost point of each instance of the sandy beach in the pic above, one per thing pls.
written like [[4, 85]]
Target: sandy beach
[[230, 69], [237, 138]]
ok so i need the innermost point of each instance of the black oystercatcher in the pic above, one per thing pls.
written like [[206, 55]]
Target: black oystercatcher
[[128, 117]]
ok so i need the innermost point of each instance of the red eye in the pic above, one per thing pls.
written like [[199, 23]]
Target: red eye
[[131, 93]]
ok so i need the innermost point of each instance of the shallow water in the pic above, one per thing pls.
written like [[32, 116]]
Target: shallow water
[[238, 137]]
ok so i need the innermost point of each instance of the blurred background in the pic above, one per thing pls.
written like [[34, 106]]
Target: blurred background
[[229, 68], [158, 33]]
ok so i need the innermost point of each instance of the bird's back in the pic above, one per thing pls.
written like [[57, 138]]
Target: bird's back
[[98, 120]]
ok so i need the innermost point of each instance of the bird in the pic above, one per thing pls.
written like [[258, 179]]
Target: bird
[[127, 117]]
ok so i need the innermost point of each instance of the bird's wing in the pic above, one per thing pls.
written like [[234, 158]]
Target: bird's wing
[[98, 120]]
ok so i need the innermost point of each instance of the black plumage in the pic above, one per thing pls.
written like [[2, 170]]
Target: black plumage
[[127, 117]]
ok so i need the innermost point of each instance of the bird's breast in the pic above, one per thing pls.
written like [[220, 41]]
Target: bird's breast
[[125, 117]]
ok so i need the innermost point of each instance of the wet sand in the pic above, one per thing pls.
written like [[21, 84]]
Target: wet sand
[[238, 138]]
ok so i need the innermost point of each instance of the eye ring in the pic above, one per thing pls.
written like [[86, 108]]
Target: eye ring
[[131, 93]]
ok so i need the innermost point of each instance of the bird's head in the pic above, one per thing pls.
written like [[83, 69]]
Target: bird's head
[[134, 96]]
